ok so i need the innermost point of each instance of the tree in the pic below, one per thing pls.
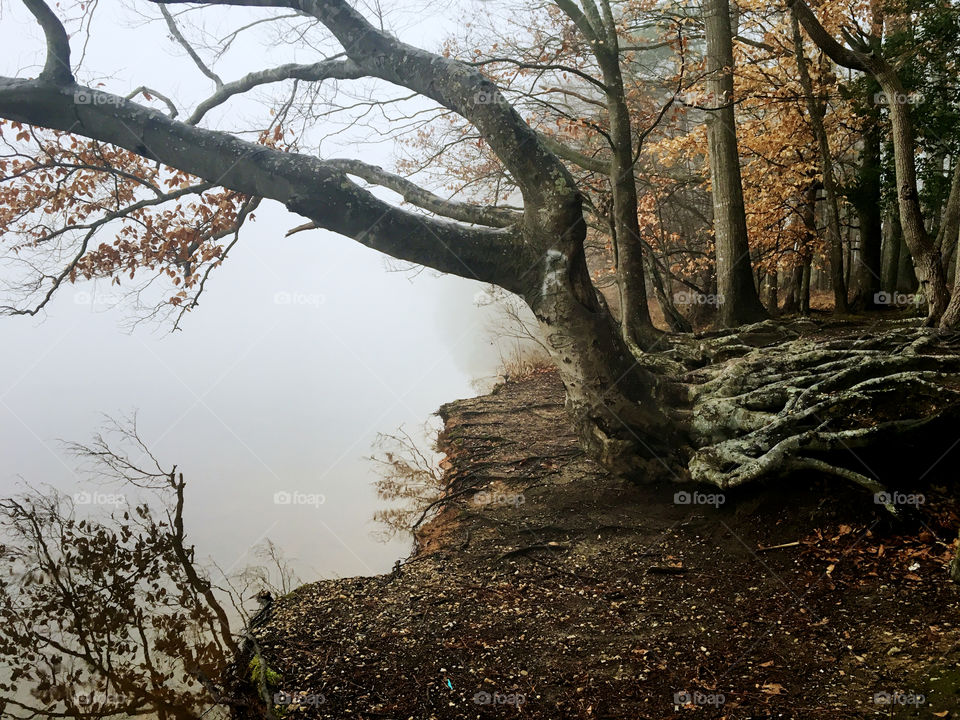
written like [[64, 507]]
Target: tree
[[114, 617], [733, 409], [740, 301], [817, 112], [865, 54]]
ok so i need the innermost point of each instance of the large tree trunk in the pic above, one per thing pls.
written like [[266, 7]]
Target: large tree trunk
[[615, 402], [739, 301], [817, 112]]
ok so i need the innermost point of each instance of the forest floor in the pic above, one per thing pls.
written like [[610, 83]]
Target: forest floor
[[548, 589]]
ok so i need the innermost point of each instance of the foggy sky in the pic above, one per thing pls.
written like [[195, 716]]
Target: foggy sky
[[301, 351]]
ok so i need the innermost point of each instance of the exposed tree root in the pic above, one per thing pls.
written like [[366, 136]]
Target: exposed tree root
[[798, 404]]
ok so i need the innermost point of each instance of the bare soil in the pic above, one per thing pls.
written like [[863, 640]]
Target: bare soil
[[549, 589]]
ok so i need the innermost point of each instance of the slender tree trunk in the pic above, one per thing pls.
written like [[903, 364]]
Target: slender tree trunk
[[817, 112], [739, 301], [805, 287], [635, 323], [906, 273], [926, 258], [771, 294], [866, 199], [892, 240], [948, 237], [674, 318], [955, 566], [791, 295]]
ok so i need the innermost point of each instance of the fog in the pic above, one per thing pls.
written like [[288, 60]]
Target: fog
[[303, 348]]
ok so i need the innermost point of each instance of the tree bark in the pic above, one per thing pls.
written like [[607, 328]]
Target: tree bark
[[613, 400], [601, 34], [817, 112], [738, 298], [866, 197], [892, 240], [949, 235]]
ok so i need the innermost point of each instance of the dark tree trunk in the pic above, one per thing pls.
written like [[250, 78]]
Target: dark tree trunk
[[805, 287], [739, 301], [906, 273], [948, 237], [892, 242], [771, 293], [673, 317], [791, 295], [866, 198]]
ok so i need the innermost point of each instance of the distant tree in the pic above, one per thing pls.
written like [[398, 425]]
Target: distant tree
[[863, 51], [739, 301]]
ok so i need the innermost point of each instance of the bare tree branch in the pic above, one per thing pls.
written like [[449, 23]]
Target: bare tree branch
[[57, 67], [416, 195]]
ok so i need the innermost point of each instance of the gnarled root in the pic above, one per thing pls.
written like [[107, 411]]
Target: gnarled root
[[822, 406]]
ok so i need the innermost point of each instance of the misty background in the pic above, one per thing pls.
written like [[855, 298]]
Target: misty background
[[303, 348]]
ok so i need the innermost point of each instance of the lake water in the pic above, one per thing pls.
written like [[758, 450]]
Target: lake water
[[302, 350]]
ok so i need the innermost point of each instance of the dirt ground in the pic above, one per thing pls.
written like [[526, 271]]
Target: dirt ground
[[548, 589]]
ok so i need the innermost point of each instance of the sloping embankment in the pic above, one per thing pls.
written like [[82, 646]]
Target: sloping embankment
[[555, 591]]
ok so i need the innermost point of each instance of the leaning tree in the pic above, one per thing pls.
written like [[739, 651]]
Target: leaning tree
[[737, 407]]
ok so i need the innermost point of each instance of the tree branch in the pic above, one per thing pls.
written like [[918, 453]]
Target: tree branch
[[315, 72], [305, 185], [57, 67], [178, 36], [416, 195], [838, 53], [541, 177], [577, 158]]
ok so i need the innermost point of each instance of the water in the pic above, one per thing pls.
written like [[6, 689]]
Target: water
[[301, 352]]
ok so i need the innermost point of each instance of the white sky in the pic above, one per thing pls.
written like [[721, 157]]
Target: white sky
[[253, 397]]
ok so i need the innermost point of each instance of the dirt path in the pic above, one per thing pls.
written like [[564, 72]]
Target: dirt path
[[556, 591]]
